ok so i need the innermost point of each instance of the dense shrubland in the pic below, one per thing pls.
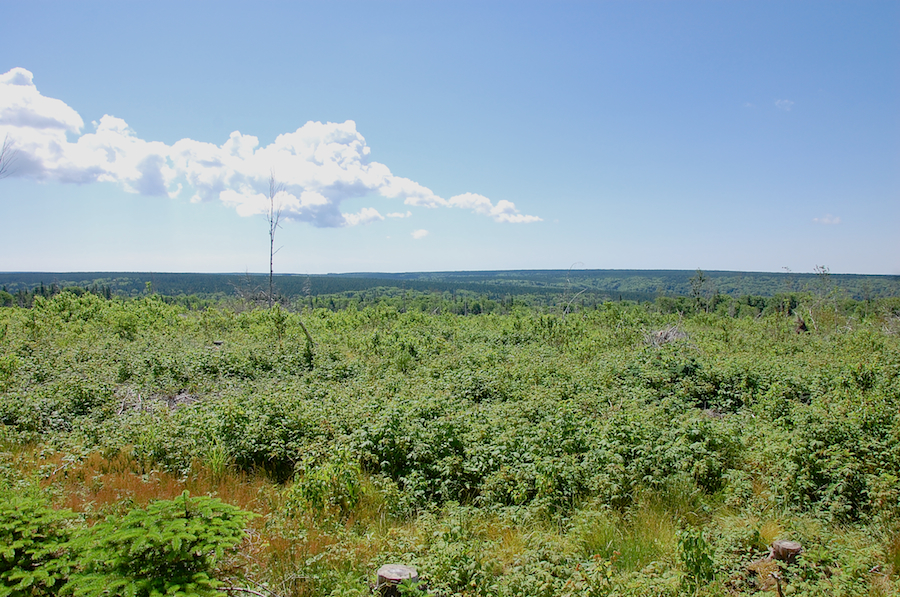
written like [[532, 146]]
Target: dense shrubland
[[624, 449]]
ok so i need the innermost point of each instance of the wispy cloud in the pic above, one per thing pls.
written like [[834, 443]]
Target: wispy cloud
[[504, 211], [398, 214], [320, 164], [828, 220], [419, 234], [784, 104]]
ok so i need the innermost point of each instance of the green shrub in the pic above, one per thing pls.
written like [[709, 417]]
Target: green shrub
[[332, 484], [695, 555], [34, 546], [172, 547]]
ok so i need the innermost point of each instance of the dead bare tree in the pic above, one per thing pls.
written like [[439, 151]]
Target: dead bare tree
[[568, 302], [8, 155], [274, 216]]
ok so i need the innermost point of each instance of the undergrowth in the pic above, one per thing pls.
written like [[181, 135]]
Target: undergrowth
[[522, 454]]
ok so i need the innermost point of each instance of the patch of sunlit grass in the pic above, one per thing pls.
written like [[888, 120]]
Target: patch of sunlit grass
[[892, 554], [760, 490], [510, 542], [597, 532], [769, 531], [652, 537], [634, 539]]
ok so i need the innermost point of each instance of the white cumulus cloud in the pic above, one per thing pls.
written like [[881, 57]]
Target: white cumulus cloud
[[366, 215], [503, 211], [23, 106], [320, 165], [417, 234]]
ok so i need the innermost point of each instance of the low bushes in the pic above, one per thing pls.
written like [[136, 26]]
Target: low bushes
[[172, 547], [575, 427]]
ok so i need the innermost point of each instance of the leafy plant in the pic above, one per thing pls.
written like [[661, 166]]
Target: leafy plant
[[34, 546], [331, 484], [695, 555], [173, 547]]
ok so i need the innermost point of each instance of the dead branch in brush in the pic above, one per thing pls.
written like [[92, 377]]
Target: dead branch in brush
[[662, 337]]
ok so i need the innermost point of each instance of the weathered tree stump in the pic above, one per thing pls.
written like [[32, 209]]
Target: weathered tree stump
[[786, 551], [391, 575]]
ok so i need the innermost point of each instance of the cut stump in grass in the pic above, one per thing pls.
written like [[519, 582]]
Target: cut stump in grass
[[786, 551], [391, 575]]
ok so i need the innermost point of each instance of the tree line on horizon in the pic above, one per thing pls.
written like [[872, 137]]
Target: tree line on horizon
[[533, 287], [851, 296]]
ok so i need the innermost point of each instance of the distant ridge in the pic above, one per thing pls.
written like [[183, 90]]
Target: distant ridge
[[614, 284]]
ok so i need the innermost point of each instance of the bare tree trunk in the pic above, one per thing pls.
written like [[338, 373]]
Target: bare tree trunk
[[274, 216], [306, 331]]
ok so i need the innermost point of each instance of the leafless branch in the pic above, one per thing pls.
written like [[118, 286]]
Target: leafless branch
[[661, 337], [274, 217], [569, 304], [8, 156], [566, 294]]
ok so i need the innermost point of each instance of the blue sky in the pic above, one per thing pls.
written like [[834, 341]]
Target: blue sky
[[430, 136]]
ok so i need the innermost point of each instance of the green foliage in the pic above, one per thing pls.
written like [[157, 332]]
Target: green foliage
[[170, 548], [591, 579], [695, 556], [324, 485], [588, 435], [9, 366], [34, 545], [469, 293], [412, 588]]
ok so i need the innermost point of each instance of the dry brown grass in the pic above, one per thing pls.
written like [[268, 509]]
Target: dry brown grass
[[95, 483], [763, 569], [278, 549]]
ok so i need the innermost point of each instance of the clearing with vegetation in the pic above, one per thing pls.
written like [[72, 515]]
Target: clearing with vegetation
[[695, 445]]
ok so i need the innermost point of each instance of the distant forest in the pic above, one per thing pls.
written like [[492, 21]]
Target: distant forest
[[529, 287]]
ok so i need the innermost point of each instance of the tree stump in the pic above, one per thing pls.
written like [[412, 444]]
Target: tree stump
[[391, 575], [786, 551]]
